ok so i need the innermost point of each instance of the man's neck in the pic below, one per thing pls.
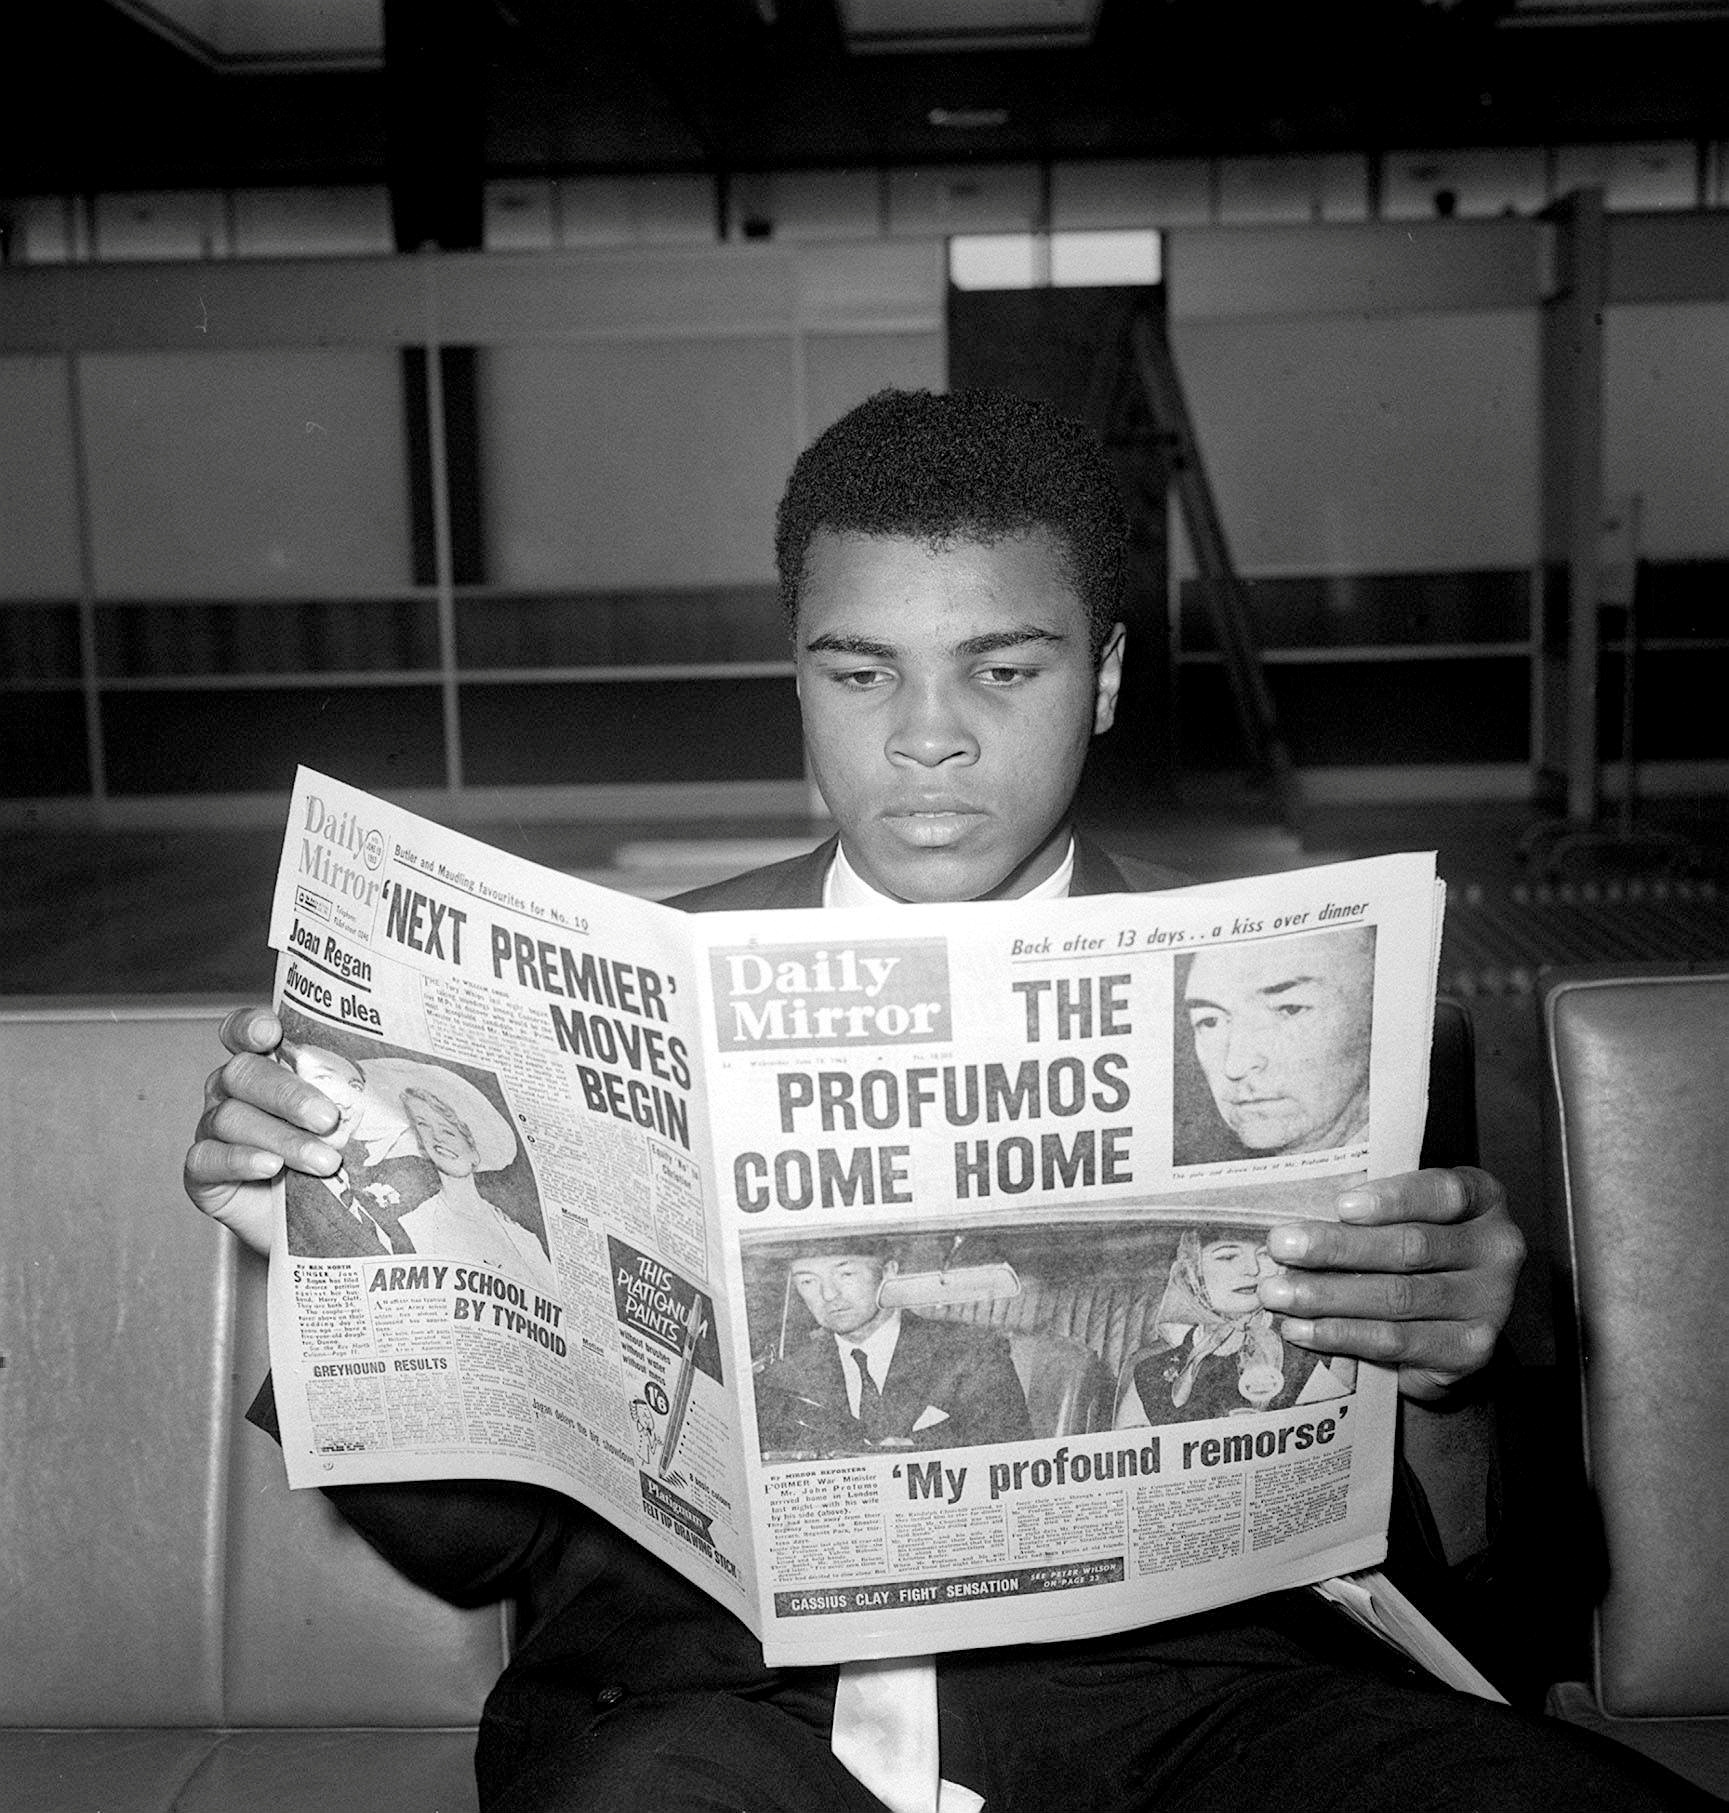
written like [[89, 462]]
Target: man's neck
[[844, 886], [880, 1340]]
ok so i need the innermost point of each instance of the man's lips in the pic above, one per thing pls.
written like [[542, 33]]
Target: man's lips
[[929, 823]]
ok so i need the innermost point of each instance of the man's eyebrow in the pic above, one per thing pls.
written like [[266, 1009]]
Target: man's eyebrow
[[1284, 987], [833, 642], [997, 640], [836, 642], [1272, 988]]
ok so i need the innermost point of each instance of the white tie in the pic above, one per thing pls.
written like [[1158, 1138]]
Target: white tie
[[885, 1730], [885, 1735]]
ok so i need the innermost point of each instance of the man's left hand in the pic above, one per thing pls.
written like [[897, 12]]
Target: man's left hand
[[1417, 1273]]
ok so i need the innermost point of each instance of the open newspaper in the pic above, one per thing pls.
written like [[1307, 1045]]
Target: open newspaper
[[890, 1273]]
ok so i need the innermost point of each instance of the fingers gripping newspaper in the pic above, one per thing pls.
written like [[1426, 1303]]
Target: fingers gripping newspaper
[[892, 1274]]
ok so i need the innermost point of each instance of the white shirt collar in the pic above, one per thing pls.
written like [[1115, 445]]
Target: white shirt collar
[[844, 886], [879, 1347]]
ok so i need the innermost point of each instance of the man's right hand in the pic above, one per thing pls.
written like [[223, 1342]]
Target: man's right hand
[[258, 1116]]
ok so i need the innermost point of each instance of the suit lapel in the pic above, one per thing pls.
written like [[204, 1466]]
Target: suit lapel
[[909, 1374], [800, 884], [1095, 873]]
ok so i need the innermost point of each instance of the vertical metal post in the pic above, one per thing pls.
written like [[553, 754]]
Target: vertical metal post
[[443, 552], [95, 746], [1572, 489]]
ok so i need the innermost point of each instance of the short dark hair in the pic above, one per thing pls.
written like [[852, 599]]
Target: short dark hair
[[971, 465]]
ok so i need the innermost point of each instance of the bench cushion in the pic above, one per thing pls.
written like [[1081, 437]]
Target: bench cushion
[[161, 1589]]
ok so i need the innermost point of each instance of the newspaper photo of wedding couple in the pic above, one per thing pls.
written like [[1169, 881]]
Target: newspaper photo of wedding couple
[[431, 1161]]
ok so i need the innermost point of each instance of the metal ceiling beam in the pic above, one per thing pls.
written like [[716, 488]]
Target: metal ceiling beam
[[268, 36]]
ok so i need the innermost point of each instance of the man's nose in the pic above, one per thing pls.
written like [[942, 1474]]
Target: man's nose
[[931, 728], [1243, 1050]]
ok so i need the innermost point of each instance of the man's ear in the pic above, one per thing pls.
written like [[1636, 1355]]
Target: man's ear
[[1110, 680]]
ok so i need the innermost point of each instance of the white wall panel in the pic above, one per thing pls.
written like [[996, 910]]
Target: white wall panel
[[844, 369], [38, 512], [1395, 444], [824, 204], [636, 463], [963, 198], [1379, 268], [1343, 180], [519, 216], [163, 223], [1631, 176], [1255, 191], [1486, 181], [898, 284], [635, 210], [246, 474], [48, 229], [346, 220], [1666, 424], [1174, 192]]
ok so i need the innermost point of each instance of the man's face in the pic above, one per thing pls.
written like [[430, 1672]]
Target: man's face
[[1282, 1033], [949, 695], [378, 1120], [339, 1080], [841, 1291]]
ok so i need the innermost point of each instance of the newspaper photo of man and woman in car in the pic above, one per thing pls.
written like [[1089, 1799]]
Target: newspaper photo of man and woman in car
[[1045, 1329], [895, 1274]]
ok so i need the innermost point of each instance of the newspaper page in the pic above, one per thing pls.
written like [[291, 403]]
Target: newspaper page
[[511, 1276], [890, 1272]]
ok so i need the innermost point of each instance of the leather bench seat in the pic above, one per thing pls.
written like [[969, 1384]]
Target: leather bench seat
[[1637, 1149], [197, 1770], [177, 1629]]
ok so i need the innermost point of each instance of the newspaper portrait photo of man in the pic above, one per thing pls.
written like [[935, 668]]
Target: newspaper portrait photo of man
[[1272, 1046], [871, 1377]]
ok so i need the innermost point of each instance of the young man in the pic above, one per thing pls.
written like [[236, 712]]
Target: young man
[[952, 568], [872, 1377]]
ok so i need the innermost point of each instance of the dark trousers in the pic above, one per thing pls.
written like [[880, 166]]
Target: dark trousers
[[1208, 1714]]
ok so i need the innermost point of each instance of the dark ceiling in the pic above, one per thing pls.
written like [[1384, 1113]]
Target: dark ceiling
[[487, 88]]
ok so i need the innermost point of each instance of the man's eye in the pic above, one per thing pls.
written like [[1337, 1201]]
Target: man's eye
[[1288, 1010], [1005, 676], [1202, 1019], [859, 679]]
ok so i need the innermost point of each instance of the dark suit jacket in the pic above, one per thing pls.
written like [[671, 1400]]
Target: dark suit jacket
[[951, 1367], [321, 1227]]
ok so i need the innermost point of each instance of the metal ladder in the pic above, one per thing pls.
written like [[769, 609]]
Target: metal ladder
[[1148, 401]]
